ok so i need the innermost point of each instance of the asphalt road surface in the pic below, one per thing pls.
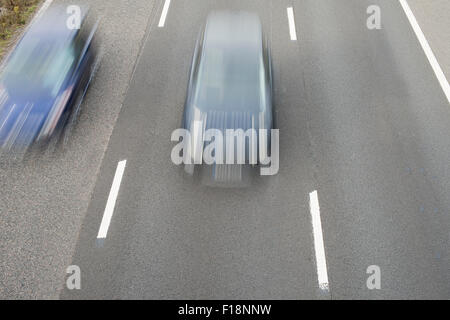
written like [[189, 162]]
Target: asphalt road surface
[[363, 121], [43, 201]]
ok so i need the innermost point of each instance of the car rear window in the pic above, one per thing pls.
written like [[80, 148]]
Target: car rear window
[[40, 63], [230, 80]]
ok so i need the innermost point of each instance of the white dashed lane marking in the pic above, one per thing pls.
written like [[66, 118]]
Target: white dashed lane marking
[[165, 10], [291, 20], [110, 204], [319, 247]]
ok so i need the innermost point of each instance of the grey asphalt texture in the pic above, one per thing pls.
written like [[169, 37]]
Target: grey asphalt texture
[[433, 17], [43, 201], [362, 120]]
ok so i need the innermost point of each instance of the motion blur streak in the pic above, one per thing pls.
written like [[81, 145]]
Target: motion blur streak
[[44, 79], [230, 86]]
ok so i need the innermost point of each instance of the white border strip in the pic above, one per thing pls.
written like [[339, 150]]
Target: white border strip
[[107, 215], [319, 248], [162, 20], [44, 7], [426, 47], [291, 19]]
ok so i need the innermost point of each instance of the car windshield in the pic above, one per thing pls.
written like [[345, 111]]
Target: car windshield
[[230, 80], [40, 64]]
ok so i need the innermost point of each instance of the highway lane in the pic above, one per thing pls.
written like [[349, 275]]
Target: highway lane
[[383, 185], [172, 238], [379, 127], [362, 119], [44, 199]]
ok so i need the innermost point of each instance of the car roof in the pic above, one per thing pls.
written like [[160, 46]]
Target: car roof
[[47, 35], [228, 31], [230, 76], [53, 23]]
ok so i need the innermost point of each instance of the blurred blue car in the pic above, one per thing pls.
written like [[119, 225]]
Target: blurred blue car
[[44, 79]]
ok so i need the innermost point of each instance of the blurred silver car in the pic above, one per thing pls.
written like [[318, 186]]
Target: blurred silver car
[[230, 85]]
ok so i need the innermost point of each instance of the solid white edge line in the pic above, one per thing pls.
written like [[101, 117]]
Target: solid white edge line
[[109, 209], [44, 7], [291, 19], [427, 49], [165, 10], [319, 248]]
